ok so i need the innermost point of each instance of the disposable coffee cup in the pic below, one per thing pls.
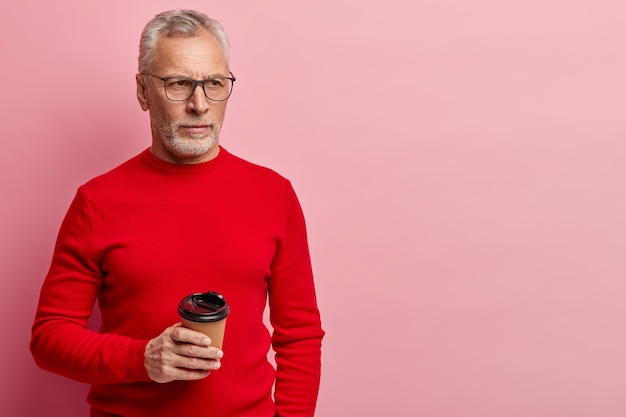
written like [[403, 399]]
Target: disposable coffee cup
[[206, 313]]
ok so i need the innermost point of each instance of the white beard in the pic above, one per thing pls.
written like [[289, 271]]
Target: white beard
[[195, 145]]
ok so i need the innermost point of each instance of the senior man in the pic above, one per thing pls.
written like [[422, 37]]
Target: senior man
[[183, 216]]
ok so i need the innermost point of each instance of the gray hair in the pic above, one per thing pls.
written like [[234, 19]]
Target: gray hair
[[177, 22]]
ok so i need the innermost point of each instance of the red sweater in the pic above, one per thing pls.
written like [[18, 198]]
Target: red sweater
[[147, 233]]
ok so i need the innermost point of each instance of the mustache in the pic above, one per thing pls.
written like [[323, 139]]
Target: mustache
[[198, 122]]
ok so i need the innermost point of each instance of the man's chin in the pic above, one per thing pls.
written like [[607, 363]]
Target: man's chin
[[192, 147]]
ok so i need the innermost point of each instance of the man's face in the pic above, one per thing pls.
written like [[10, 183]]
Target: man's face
[[184, 132]]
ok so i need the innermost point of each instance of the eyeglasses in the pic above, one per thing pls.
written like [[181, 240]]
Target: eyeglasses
[[181, 88]]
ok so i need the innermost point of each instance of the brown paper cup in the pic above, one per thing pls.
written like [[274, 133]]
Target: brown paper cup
[[205, 313]]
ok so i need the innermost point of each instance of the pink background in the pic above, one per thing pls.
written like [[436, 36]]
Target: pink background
[[460, 164]]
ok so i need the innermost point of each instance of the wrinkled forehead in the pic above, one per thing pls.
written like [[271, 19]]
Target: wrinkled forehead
[[190, 54]]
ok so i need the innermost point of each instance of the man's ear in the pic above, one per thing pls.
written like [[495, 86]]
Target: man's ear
[[142, 92]]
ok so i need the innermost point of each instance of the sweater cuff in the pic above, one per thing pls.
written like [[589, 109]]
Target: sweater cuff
[[135, 361]]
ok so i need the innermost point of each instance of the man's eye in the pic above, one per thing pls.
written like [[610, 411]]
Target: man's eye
[[179, 83], [215, 83]]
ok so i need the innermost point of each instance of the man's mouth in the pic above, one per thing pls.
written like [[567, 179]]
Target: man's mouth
[[196, 129]]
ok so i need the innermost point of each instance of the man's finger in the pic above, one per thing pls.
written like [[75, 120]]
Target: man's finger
[[184, 335]]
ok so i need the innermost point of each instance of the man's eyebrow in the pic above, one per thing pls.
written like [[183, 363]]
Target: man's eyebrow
[[217, 75], [211, 76]]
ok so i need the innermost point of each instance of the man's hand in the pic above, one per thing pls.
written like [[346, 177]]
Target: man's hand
[[181, 354]]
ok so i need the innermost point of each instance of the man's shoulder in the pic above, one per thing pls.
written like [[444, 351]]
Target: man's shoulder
[[118, 174], [253, 170]]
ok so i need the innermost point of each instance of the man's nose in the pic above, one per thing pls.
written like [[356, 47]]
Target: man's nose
[[198, 102]]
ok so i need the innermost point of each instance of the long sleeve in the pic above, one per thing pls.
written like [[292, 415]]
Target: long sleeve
[[296, 321], [61, 340]]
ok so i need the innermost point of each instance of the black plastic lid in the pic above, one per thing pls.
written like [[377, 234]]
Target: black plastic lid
[[203, 307]]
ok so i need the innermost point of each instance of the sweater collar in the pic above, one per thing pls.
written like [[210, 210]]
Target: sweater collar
[[162, 165]]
